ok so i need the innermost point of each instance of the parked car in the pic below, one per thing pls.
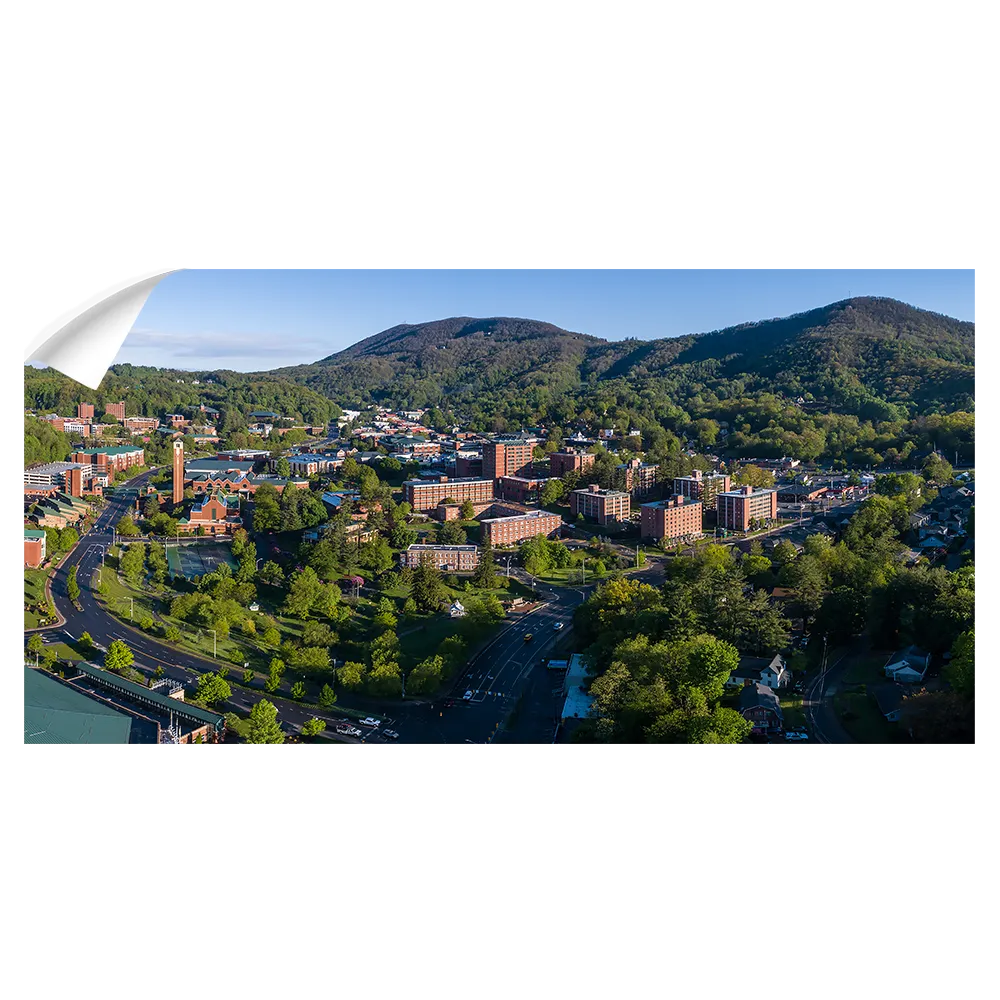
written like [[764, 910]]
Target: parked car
[[529, 637], [467, 696], [345, 730], [559, 625], [796, 737], [391, 734], [804, 641], [369, 721]]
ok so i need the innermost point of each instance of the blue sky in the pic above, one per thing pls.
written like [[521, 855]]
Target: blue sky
[[253, 320]]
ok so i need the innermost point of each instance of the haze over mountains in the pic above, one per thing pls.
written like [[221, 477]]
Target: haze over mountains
[[846, 354]]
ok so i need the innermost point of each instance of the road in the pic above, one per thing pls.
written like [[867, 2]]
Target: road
[[507, 675]]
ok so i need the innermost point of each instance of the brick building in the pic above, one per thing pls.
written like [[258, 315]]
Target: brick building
[[34, 547], [507, 457], [453, 511], [85, 411], [521, 489], [141, 425], [217, 513], [676, 519], [448, 558], [469, 466], [74, 478], [640, 477], [424, 495], [116, 410], [111, 459], [603, 506], [698, 486], [515, 528], [570, 460], [800, 494], [739, 510]]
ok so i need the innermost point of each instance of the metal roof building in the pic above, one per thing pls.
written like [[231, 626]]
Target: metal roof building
[[54, 713]]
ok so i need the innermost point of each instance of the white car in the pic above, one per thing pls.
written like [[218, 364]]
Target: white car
[[559, 625], [374, 723]]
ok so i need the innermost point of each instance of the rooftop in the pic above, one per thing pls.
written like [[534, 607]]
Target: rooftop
[[441, 548], [124, 449], [55, 713]]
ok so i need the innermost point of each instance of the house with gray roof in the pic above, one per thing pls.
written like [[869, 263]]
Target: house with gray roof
[[760, 669], [889, 698], [908, 665], [759, 705]]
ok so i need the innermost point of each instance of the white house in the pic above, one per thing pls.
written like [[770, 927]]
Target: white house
[[908, 665], [761, 670]]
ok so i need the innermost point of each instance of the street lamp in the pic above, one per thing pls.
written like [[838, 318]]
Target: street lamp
[[215, 639]]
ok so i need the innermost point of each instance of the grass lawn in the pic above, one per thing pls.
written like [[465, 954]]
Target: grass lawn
[[74, 652], [34, 585], [791, 708]]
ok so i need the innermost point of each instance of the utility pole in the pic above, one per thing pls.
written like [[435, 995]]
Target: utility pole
[[215, 637], [131, 608]]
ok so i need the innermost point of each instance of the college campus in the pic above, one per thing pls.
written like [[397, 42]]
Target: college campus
[[415, 551]]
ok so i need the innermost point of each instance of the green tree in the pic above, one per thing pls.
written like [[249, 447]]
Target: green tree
[[172, 634], [72, 587], [271, 637], [351, 675], [303, 591], [385, 614], [961, 670], [132, 563], [485, 576], [313, 727], [212, 689], [428, 588], [426, 676], [119, 656], [271, 574], [126, 527], [87, 642], [263, 725], [248, 676], [327, 698], [35, 644], [467, 511], [298, 690]]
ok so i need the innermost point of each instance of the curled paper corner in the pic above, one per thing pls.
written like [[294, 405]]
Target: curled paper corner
[[83, 343]]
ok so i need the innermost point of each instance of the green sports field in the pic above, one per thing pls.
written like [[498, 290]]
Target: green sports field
[[191, 559]]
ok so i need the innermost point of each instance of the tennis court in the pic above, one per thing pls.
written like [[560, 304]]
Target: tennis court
[[192, 559]]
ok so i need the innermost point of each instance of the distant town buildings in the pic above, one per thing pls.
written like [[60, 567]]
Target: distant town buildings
[[215, 513], [116, 410]]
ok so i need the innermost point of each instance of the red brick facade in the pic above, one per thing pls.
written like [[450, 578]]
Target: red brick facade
[[602, 506], [561, 462], [511, 530], [506, 458], [424, 496], [675, 519], [738, 509]]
